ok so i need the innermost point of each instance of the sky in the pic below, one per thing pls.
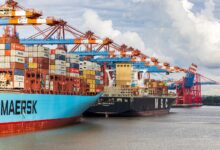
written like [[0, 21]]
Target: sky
[[178, 31]]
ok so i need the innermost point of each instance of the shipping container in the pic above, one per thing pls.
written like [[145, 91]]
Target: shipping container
[[17, 46], [19, 85], [19, 72]]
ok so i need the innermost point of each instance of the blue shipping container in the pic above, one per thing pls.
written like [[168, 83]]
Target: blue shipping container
[[25, 66], [60, 57], [7, 46], [97, 82], [73, 65], [19, 72], [98, 73]]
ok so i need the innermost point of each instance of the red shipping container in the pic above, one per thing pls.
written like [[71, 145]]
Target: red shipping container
[[26, 60], [73, 70], [17, 46], [7, 53], [52, 51], [52, 62], [40, 60], [43, 66], [17, 65], [67, 69]]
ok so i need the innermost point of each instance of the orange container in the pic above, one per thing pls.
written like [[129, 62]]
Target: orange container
[[17, 46], [7, 52]]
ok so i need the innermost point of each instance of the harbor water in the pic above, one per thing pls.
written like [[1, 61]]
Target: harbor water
[[182, 129]]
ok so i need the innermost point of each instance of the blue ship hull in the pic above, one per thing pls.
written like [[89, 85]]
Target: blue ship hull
[[20, 113]]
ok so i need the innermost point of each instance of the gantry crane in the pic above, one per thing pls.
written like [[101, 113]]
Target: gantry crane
[[104, 51]]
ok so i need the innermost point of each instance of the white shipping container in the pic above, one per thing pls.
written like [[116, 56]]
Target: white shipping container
[[2, 52], [30, 54], [7, 65], [52, 57], [74, 61], [60, 72], [2, 58], [42, 49], [42, 54], [7, 59], [76, 75], [60, 52], [35, 48], [17, 59], [97, 77], [63, 73], [2, 65], [67, 65], [47, 87], [18, 84], [72, 56], [72, 74], [35, 54], [2, 46], [51, 83], [52, 71], [30, 60], [60, 67], [18, 78], [47, 77], [60, 62], [17, 53], [29, 48], [51, 88]]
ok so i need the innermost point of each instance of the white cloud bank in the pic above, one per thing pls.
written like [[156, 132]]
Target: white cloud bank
[[202, 30], [104, 28]]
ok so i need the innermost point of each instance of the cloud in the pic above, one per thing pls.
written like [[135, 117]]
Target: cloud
[[105, 28], [202, 30]]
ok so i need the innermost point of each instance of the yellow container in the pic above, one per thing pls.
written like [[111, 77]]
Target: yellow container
[[52, 67], [92, 72], [84, 72], [90, 81], [124, 72], [92, 90], [161, 84], [92, 86], [32, 65]]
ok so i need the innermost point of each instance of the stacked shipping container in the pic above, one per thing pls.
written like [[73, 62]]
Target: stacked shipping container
[[12, 58], [37, 69], [93, 74], [58, 62], [72, 71]]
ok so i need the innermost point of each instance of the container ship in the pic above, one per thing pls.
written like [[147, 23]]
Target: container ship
[[42, 88], [129, 97]]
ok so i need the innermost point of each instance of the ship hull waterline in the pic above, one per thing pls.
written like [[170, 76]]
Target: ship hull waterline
[[131, 106], [22, 113]]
